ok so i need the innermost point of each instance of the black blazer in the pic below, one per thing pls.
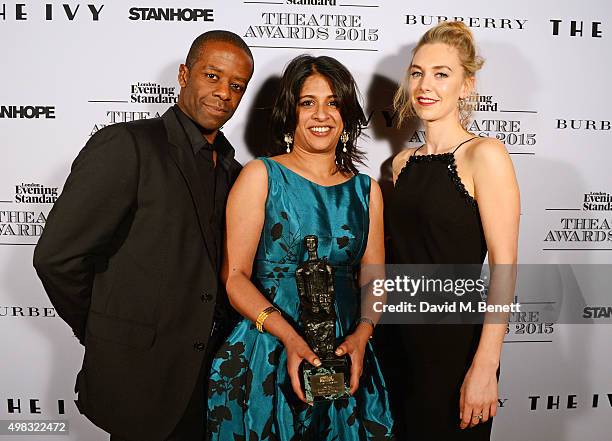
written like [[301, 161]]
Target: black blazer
[[127, 259]]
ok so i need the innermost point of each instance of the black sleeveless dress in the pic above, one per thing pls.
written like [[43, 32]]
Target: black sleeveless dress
[[432, 219]]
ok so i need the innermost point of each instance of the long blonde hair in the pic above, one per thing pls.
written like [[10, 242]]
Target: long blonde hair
[[457, 35]]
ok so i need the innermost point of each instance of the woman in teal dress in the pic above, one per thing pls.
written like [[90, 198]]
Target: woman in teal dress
[[312, 189]]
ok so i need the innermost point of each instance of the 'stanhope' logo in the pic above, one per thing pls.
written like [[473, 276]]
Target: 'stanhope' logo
[[170, 14], [27, 112], [472, 22], [35, 194], [65, 11], [597, 312]]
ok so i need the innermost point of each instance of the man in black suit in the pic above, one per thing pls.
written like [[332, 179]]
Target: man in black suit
[[131, 252]]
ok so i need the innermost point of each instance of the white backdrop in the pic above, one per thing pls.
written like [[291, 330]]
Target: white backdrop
[[544, 88]]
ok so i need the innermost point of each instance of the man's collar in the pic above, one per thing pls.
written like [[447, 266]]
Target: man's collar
[[194, 131]]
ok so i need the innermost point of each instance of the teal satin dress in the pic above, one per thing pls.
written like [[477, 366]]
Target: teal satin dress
[[250, 396]]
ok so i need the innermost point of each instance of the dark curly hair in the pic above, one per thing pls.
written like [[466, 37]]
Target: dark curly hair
[[284, 113]]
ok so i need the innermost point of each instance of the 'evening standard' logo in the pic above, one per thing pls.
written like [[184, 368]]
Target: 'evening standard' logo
[[597, 201], [35, 194], [153, 93]]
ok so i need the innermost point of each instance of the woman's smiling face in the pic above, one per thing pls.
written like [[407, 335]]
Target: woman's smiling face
[[319, 122], [436, 82]]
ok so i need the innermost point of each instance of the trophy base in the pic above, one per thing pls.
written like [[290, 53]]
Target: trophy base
[[329, 381]]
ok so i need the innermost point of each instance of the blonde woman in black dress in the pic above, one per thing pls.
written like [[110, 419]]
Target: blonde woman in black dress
[[455, 199]]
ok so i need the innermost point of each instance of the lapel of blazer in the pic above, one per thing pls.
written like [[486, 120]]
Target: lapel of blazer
[[233, 167], [180, 152]]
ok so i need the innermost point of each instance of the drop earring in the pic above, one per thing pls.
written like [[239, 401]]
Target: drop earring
[[464, 110], [344, 138], [288, 141]]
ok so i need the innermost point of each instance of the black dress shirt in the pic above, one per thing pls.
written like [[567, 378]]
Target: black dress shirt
[[215, 179], [216, 182]]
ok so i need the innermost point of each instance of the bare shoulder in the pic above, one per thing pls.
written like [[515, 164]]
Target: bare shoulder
[[374, 186], [488, 151], [490, 162], [254, 170], [375, 191], [253, 180], [400, 159], [376, 198]]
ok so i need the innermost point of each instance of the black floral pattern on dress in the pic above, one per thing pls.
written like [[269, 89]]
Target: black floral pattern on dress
[[267, 433], [270, 291], [288, 241], [216, 417], [235, 381], [376, 430], [276, 231], [342, 241]]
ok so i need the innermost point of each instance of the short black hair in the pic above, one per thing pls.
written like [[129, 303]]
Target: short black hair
[[284, 113], [215, 35]]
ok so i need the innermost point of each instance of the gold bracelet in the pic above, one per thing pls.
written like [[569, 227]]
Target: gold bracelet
[[263, 315]]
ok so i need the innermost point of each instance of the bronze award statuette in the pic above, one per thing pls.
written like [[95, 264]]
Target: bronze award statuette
[[315, 283]]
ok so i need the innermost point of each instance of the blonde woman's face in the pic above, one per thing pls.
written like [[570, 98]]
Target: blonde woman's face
[[436, 82]]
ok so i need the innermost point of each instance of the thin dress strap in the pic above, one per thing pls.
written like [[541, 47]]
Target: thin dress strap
[[467, 140], [414, 153]]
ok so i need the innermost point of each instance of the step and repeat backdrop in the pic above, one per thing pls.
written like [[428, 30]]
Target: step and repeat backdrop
[[70, 68]]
